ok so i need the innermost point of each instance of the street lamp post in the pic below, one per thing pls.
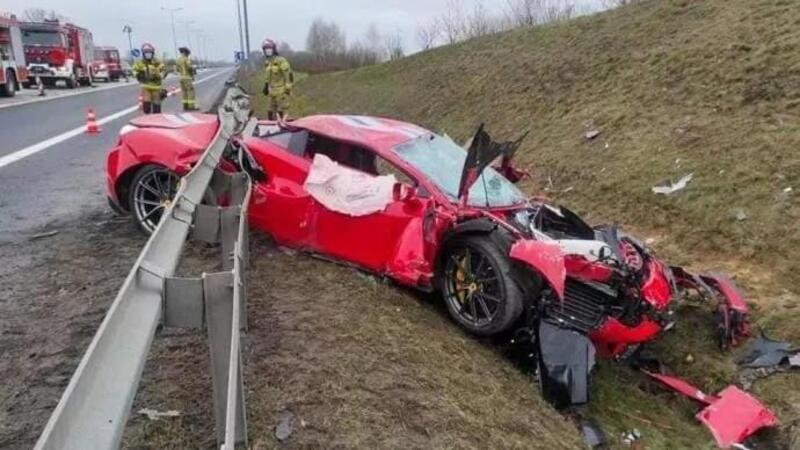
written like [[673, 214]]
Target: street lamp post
[[246, 31], [127, 29], [172, 12], [241, 36]]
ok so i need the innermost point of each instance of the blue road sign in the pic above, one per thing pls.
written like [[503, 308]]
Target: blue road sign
[[136, 53]]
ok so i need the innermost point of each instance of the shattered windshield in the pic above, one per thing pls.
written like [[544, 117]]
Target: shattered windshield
[[442, 161]]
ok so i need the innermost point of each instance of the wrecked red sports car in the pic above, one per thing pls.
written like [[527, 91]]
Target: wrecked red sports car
[[402, 202]]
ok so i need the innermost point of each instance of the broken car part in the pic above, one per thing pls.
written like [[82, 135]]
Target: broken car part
[[566, 359], [732, 416]]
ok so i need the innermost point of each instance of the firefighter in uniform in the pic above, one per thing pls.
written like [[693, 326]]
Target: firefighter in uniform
[[186, 71], [278, 85], [150, 72]]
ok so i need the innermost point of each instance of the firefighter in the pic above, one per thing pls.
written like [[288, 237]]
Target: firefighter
[[278, 85], [187, 71], [150, 72]]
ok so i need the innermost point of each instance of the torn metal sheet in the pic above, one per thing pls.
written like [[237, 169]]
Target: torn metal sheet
[[765, 352], [566, 359], [673, 187]]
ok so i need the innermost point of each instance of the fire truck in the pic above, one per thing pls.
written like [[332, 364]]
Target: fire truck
[[58, 51], [12, 58], [106, 64]]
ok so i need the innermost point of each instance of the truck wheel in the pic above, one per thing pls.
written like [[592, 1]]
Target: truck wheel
[[10, 88], [478, 286]]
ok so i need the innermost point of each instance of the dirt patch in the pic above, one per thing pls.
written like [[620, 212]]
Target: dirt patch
[[359, 363], [54, 292]]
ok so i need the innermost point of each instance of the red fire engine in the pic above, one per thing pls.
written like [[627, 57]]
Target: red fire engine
[[12, 57], [58, 51]]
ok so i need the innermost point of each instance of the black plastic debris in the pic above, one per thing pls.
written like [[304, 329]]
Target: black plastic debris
[[766, 352], [566, 359]]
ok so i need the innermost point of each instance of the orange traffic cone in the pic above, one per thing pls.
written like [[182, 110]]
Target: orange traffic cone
[[91, 123]]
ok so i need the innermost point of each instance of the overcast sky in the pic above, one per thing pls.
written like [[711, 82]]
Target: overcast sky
[[283, 20]]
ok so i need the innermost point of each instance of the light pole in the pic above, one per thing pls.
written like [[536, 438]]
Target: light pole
[[172, 12], [246, 31], [129, 30], [241, 36]]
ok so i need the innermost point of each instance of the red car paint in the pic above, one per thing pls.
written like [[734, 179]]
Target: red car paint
[[546, 258], [614, 337], [403, 241], [579, 267], [732, 416], [656, 288]]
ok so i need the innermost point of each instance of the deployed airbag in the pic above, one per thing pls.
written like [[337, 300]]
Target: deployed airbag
[[348, 191]]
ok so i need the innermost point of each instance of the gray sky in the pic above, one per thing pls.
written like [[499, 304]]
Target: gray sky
[[283, 20]]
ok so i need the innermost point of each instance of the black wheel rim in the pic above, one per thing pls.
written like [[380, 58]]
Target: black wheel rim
[[152, 195], [473, 287]]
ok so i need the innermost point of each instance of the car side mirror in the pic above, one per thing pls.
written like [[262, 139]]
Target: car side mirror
[[403, 192]]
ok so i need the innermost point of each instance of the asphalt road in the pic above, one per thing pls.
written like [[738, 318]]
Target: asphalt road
[[49, 171]]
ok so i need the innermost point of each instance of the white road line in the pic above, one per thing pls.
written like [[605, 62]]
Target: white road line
[[36, 148], [78, 92]]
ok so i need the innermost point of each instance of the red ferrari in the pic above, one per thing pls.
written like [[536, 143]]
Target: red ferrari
[[400, 201]]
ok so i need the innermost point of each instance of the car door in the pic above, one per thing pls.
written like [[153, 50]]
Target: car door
[[279, 204], [389, 241]]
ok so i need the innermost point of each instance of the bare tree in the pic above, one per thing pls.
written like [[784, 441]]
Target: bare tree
[[525, 13], [374, 42], [326, 40], [41, 15], [284, 48], [393, 43], [479, 22], [427, 34], [453, 22]]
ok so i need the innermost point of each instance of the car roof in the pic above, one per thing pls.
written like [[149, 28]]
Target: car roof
[[378, 133]]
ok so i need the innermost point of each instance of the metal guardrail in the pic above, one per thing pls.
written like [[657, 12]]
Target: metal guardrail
[[95, 406]]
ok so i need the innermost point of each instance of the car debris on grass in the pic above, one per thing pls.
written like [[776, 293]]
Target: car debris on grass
[[671, 187]]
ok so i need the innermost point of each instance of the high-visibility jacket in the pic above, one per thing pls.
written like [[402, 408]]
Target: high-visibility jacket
[[152, 70], [185, 67], [279, 75]]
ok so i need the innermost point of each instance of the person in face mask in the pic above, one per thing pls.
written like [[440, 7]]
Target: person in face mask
[[150, 72], [279, 80]]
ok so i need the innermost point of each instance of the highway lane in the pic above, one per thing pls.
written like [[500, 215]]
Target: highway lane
[[67, 179]]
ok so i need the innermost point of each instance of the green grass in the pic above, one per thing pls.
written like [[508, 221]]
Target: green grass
[[676, 87]]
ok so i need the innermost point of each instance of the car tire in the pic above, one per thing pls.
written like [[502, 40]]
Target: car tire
[[10, 88], [478, 284], [149, 194]]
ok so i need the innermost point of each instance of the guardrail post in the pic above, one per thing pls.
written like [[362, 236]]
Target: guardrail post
[[218, 288]]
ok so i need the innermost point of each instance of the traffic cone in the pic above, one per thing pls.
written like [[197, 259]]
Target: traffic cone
[[91, 123]]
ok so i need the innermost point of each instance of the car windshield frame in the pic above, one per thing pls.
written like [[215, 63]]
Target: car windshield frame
[[441, 161]]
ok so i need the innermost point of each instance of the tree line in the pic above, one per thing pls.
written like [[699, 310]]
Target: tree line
[[327, 47]]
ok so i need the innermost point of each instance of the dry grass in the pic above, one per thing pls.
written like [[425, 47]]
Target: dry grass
[[367, 365]]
